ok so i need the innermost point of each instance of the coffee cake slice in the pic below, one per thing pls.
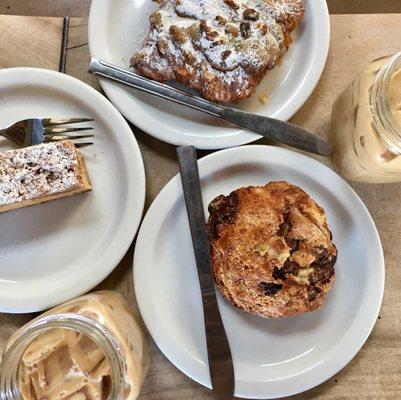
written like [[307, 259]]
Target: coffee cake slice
[[41, 173], [222, 48]]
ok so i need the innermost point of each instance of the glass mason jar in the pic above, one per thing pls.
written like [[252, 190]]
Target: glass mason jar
[[365, 127], [105, 322]]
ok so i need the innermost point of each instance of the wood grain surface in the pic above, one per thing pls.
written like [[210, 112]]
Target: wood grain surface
[[42, 50], [80, 8], [375, 373]]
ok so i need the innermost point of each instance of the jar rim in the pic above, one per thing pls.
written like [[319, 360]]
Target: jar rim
[[387, 126], [94, 330]]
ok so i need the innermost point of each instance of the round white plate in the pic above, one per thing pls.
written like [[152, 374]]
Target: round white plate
[[117, 29], [53, 252], [276, 357]]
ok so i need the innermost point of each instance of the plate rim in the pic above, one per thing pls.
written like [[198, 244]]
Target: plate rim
[[127, 231], [336, 362], [239, 136]]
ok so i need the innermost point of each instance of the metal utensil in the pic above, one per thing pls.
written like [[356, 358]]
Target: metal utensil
[[64, 45], [273, 129], [29, 132], [219, 354]]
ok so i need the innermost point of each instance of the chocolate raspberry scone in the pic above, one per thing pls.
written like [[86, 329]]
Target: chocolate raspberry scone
[[222, 48], [272, 251]]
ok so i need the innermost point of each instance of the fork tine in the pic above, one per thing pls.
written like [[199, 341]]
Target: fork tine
[[60, 121], [56, 138], [49, 131], [83, 144]]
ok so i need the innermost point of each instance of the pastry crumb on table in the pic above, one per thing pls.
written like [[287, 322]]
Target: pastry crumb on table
[[264, 98]]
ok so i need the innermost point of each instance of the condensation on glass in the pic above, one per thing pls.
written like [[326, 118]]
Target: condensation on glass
[[365, 127], [90, 348]]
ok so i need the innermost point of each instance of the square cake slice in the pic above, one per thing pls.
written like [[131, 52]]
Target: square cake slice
[[36, 174]]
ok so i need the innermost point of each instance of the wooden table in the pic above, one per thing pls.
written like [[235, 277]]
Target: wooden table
[[80, 8], [375, 373]]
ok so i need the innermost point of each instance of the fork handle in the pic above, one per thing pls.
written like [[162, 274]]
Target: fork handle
[[271, 128], [20, 132], [6, 134]]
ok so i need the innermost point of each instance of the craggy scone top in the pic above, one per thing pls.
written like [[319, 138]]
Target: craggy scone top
[[272, 250], [222, 48]]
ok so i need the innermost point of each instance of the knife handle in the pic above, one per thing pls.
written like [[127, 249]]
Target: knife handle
[[219, 354], [126, 77]]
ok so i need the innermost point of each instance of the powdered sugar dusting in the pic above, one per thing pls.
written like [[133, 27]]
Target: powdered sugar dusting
[[36, 171], [205, 41]]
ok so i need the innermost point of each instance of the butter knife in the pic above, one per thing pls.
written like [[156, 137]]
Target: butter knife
[[219, 354], [273, 129]]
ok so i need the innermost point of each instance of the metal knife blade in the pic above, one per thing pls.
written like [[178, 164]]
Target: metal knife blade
[[219, 354], [279, 131], [270, 128]]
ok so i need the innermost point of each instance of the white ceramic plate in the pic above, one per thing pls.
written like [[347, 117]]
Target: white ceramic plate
[[53, 252], [118, 27], [272, 358]]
